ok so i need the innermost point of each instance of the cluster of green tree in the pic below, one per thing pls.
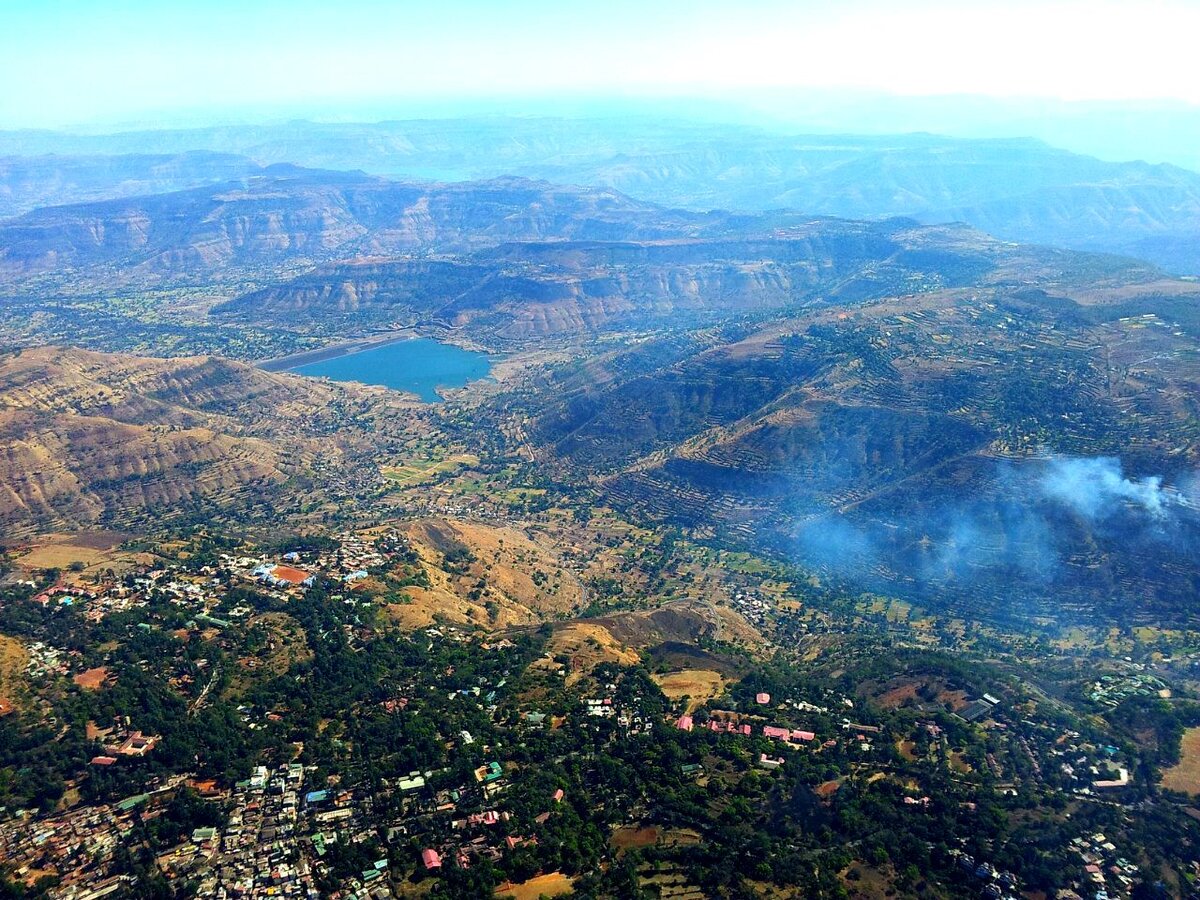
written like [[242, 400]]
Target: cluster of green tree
[[806, 824], [1156, 724]]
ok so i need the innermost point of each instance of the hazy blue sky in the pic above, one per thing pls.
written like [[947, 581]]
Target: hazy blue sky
[[85, 61]]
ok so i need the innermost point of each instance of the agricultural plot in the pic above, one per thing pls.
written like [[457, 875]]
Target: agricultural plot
[[1186, 775]]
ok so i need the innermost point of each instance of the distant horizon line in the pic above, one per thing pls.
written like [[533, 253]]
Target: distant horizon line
[[1156, 131], [373, 110]]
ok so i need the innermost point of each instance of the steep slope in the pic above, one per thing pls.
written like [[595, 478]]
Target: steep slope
[[485, 574], [1015, 450], [290, 216], [63, 470], [92, 438], [197, 232], [523, 291]]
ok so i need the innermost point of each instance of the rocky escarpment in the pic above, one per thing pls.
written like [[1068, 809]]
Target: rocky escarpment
[[296, 216], [523, 290]]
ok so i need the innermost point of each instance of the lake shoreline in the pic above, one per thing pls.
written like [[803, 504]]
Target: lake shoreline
[[334, 351], [410, 364]]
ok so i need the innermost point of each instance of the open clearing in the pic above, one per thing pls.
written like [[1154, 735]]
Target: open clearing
[[827, 789], [586, 645], [698, 685], [284, 645], [13, 659], [862, 880], [492, 576], [553, 885], [520, 571], [681, 837], [98, 549], [427, 470], [1186, 776], [92, 679], [629, 837], [898, 696]]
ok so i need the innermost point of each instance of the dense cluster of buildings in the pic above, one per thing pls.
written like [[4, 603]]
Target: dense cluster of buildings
[[280, 831], [1110, 690], [80, 846], [1106, 874], [257, 853], [350, 559]]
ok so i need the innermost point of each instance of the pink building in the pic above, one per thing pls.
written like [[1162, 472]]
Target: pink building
[[432, 860]]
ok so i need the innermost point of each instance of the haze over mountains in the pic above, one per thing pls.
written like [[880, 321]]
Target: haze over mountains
[[309, 216], [750, 362], [29, 182], [620, 451], [1015, 189]]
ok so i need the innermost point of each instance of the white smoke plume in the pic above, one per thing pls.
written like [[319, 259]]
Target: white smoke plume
[[1025, 527], [1096, 487]]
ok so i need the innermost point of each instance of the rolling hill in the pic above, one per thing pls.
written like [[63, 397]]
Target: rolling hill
[[993, 449], [91, 438], [882, 400]]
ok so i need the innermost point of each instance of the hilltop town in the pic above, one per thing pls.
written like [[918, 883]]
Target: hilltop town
[[492, 532], [194, 737]]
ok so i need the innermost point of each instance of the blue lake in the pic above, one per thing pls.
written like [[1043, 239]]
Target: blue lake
[[419, 366]]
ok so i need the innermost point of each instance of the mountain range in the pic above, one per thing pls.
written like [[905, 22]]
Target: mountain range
[[918, 407], [290, 215], [1016, 189]]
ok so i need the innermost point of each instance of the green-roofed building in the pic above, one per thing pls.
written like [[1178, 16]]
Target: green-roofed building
[[130, 802]]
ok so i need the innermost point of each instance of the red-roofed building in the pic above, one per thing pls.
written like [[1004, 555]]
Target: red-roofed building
[[558, 795], [684, 723], [803, 736], [137, 744], [762, 698], [781, 734], [432, 860], [103, 760], [206, 787]]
